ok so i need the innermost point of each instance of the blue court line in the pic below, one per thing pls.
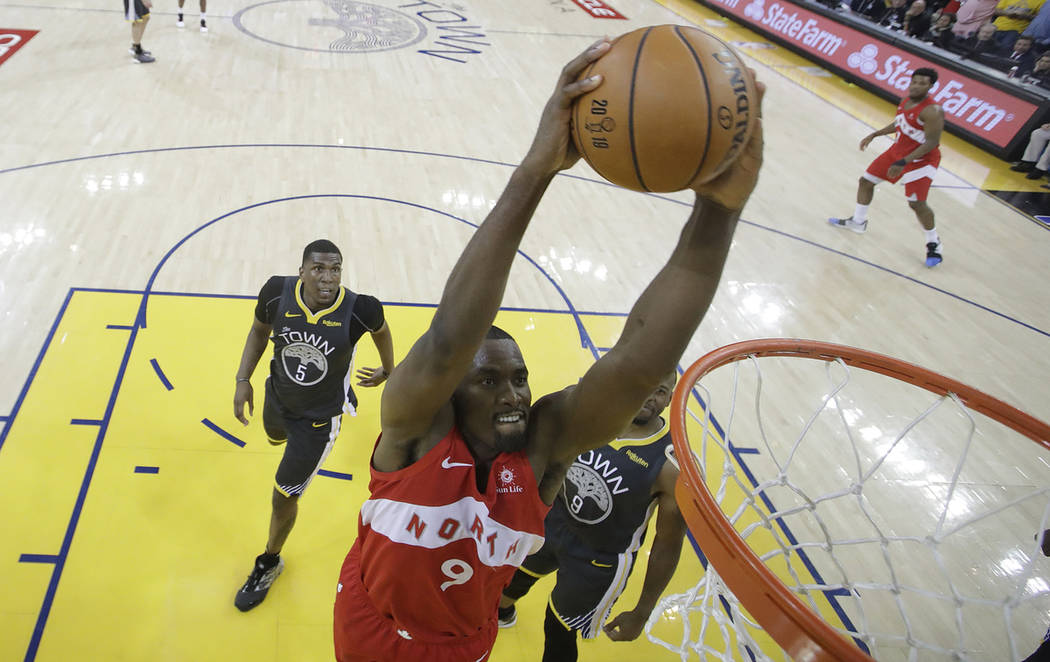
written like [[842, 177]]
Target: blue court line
[[3, 419], [147, 470], [120, 327], [912, 279], [160, 375], [405, 304], [33, 370], [140, 319], [725, 603], [38, 558], [584, 340], [78, 507], [335, 474], [85, 421], [222, 433], [829, 594]]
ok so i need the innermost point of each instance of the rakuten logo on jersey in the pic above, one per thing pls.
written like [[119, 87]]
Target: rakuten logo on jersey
[[806, 31], [598, 9], [951, 93]]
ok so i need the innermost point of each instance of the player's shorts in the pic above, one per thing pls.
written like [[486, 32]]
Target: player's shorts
[[308, 443], [587, 584], [135, 11], [362, 634], [917, 176]]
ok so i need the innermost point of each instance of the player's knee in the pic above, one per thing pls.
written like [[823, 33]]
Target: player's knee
[[283, 501], [519, 585], [918, 205]]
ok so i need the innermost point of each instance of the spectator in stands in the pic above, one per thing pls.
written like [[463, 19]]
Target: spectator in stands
[[916, 22], [1040, 73], [976, 44], [940, 34], [1022, 57], [1036, 158], [893, 16], [972, 15], [1039, 28], [872, 9], [1012, 17]]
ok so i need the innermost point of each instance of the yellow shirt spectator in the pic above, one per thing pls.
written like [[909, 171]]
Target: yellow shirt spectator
[[1016, 14]]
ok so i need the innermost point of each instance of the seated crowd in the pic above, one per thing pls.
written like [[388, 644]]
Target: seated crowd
[[1010, 36]]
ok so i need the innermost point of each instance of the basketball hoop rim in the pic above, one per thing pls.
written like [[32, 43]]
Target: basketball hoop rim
[[802, 634]]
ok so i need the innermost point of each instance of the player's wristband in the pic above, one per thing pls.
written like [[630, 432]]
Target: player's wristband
[[900, 162], [242, 379]]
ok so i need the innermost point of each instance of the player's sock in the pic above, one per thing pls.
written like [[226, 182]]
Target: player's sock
[[860, 213], [931, 236], [137, 48], [269, 560]]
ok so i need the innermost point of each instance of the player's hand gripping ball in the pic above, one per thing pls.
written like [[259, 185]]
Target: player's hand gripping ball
[[675, 108]]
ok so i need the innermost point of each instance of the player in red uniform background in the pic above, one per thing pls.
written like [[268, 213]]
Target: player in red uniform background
[[912, 160], [466, 467]]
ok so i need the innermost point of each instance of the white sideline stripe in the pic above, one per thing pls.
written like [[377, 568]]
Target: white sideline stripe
[[497, 545]]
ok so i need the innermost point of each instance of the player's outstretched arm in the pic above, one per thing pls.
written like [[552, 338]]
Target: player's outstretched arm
[[663, 560], [660, 324], [254, 346], [384, 343], [884, 131], [426, 378]]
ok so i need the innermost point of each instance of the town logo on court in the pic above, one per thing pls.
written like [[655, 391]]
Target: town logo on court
[[347, 26]]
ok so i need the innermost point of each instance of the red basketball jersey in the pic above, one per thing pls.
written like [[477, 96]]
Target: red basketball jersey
[[435, 552], [910, 133]]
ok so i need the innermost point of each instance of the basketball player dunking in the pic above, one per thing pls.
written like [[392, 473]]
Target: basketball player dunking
[[912, 160], [466, 467]]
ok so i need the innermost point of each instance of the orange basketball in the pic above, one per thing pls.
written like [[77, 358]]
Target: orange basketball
[[675, 108]]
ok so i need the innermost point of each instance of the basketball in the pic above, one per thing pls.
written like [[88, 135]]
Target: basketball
[[675, 108]]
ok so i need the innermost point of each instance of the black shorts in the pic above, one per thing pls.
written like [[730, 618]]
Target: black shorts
[[587, 585], [134, 10], [308, 443]]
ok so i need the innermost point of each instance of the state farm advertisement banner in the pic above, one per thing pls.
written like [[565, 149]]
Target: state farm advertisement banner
[[11, 40], [969, 104]]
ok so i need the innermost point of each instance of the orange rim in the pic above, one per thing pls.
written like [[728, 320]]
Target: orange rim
[[802, 634]]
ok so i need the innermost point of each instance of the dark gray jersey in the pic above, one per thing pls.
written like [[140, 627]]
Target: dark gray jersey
[[607, 498], [313, 351]]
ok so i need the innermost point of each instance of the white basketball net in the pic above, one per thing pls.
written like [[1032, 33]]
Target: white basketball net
[[918, 514]]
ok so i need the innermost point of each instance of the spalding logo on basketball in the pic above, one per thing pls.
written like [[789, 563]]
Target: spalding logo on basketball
[[675, 108]]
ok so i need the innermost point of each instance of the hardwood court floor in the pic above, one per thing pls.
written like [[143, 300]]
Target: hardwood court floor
[[195, 178]]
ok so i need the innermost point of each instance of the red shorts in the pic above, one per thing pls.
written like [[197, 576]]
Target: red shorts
[[916, 176], [362, 634]]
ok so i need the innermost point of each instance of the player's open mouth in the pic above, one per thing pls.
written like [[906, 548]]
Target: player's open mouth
[[510, 418]]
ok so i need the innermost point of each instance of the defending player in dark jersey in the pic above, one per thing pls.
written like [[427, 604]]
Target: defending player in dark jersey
[[315, 325], [912, 159], [594, 530], [466, 466]]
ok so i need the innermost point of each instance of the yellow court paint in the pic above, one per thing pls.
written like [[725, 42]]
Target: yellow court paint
[[155, 558]]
